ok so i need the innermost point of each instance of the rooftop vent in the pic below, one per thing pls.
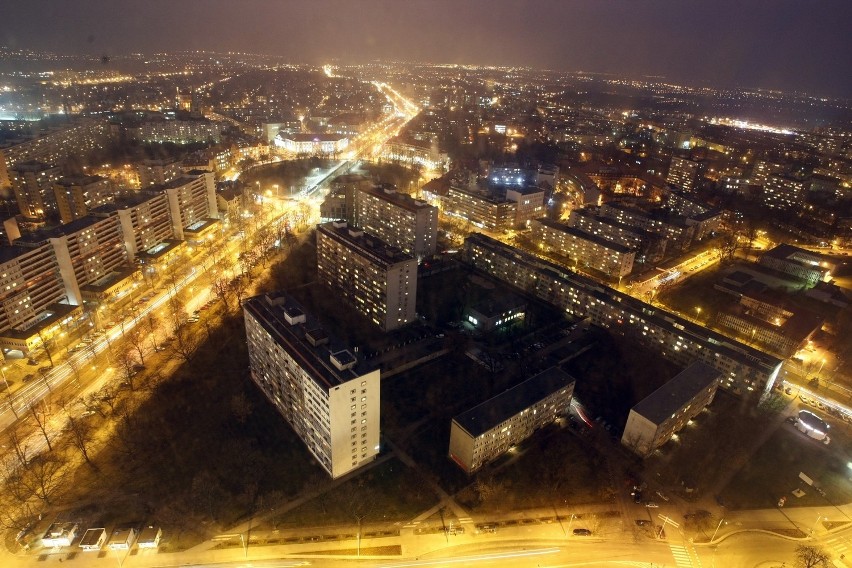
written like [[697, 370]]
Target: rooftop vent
[[342, 360]]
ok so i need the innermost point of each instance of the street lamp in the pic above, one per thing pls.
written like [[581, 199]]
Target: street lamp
[[712, 538], [818, 519], [698, 312]]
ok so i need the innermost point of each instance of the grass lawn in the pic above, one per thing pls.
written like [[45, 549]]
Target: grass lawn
[[551, 468], [774, 471], [389, 492]]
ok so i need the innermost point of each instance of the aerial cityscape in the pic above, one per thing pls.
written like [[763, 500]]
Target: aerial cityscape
[[425, 284]]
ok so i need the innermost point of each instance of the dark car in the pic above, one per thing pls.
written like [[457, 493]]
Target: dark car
[[582, 532], [637, 497]]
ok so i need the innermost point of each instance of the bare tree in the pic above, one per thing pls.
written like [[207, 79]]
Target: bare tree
[[81, 433], [127, 367], [42, 476], [45, 346], [808, 556], [10, 400], [136, 338], [109, 396], [221, 288], [19, 446], [152, 322], [92, 402], [185, 343], [75, 368], [41, 414]]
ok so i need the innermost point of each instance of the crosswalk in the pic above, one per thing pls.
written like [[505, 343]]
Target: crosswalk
[[839, 545], [685, 556]]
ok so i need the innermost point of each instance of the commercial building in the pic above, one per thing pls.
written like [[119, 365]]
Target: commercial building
[[379, 281], [77, 195], [488, 430], [158, 172], [32, 183], [329, 396], [399, 220], [804, 265], [588, 250], [312, 144], [653, 421], [744, 369]]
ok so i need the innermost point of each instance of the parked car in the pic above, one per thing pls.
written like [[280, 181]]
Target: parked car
[[582, 532], [651, 505]]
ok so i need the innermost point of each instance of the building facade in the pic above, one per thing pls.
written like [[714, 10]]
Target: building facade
[[744, 369], [379, 281], [158, 172], [77, 195], [192, 199], [32, 183], [399, 220], [588, 250], [488, 430], [329, 397], [480, 209], [660, 415]]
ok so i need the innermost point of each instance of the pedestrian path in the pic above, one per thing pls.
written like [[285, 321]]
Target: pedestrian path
[[684, 556]]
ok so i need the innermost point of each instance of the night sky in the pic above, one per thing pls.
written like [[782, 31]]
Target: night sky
[[803, 45]]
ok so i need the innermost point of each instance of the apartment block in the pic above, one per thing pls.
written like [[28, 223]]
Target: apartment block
[[605, 228], [663, 413], [77, 195], [672, 227], [588, 250], [178, 131], [29, 284], [399, 220], [683, 173], [784, 192], [488, 430], [744, 369], [32, 183], [192, 199], [329, 396], [158, 172], [145, 219], [529, 203], [80, 136], [480, 209], [379, 281]]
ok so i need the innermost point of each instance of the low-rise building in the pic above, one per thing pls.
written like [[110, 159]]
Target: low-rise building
[[488, 430], [93, 539], [806, 266], [122, 538], [59, 534], [653, 421], [149, 537]]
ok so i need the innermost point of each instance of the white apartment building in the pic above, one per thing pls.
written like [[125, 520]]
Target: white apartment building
[[588, 250], [192, 198], [329, 397], [158, 172], [77, 195], [609, 229], [378, 280], [29, 283], [480, 209], [488, 430], [32, 183], [660, 415], [399, 220]]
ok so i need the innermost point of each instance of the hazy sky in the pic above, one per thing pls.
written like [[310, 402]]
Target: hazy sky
[[788, 44]]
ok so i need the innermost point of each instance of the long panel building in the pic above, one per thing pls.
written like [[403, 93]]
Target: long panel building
[[329, 397], [660, 415], [589, 250], [488, 430], [744, 369], [378, 280]]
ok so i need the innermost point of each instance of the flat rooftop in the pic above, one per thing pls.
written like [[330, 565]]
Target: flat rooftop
[[399, 199], [272, 312], [661, 404], [498, 409], [378, 251]]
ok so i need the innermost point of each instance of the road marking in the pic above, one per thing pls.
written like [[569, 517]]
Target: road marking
[[681, 555]]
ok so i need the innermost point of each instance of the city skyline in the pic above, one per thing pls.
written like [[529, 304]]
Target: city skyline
[[772, 45]]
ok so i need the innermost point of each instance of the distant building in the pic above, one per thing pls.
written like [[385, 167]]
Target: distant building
[[488, 430], [784, 192], [671, 227], [588, 250], [77, 195], [329, 396], [32, 183], [312, 144], [378, 280], [683, 173], [178, 131], [399, 220], [529, 203], [158, 172], [653, 421]]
